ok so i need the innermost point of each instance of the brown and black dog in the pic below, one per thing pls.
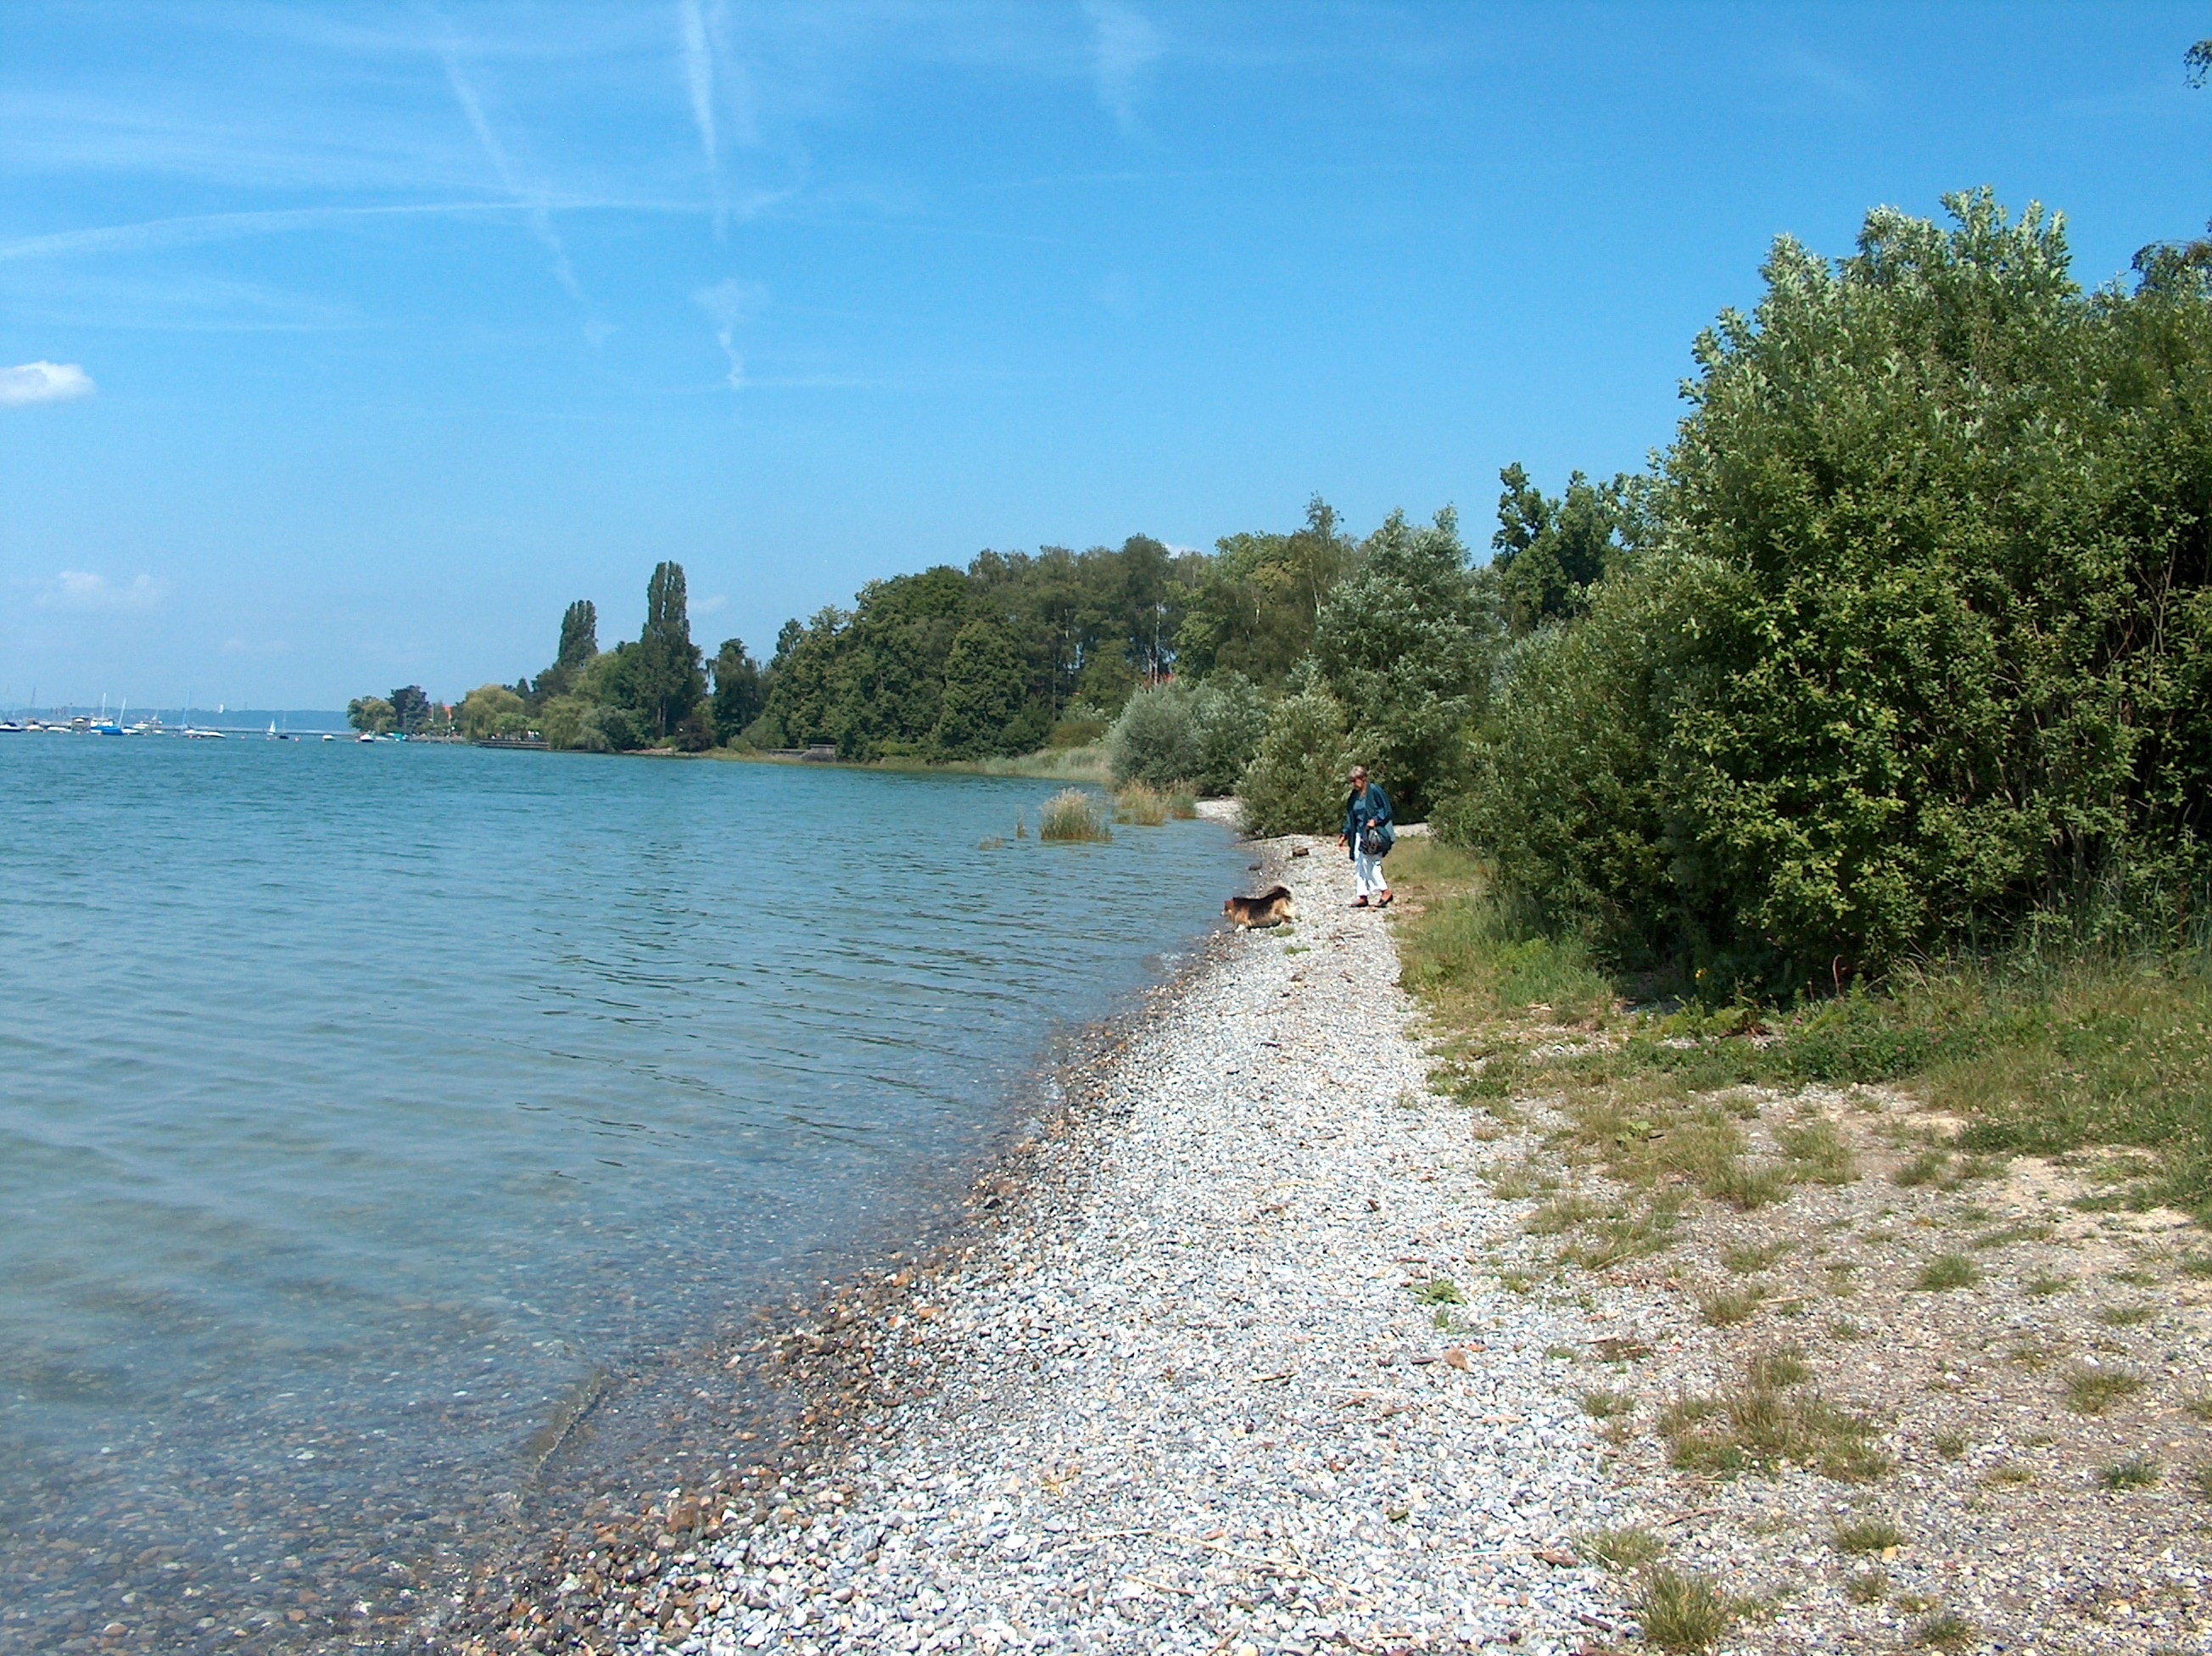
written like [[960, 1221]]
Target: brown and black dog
[[1270, 908]]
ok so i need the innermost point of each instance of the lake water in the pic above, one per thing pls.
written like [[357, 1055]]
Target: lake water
[[357, 1102]]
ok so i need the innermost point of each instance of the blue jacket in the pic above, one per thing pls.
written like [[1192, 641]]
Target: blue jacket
[[1369, 805]]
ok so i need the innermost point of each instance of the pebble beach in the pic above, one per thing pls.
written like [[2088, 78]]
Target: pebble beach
[[1195, 1391]]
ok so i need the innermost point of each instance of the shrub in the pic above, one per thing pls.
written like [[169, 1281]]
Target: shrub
[[1918, 646], [1155, 739], [1295, 781], [1072, 813], [1228, 718]]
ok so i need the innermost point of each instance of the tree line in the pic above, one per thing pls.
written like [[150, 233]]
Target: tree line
[[1904, 639]]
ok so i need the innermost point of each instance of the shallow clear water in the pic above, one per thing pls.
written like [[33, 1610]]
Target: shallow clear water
[[356, 1102]]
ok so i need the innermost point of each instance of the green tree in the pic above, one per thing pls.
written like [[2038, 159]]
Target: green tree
[[1405, 645], [372, 714], [670, 680], [1154, 739], [580, 643], [492, 711], [737, 699], [1922, 646], [1547, 554], [410, 709], [984, 690], [1257, 601]]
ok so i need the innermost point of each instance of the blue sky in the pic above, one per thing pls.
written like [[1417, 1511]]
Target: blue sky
[[341, 346]]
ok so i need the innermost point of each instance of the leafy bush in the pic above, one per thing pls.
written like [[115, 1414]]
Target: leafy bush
[[1228, 718], [1295, 781], [1922, 642], [1155, 740]]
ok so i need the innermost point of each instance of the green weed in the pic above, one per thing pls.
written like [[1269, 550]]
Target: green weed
[[1621, 1550], [1865, 1535], [1950, 1270], [2135, 1471], [2093, 1391]]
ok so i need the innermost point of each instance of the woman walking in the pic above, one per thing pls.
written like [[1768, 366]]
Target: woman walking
[[1367, 833]]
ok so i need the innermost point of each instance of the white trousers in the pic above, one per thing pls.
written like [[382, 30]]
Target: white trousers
[[1367, 875]]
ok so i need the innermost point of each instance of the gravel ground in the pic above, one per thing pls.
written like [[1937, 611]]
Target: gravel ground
[[2010, 1527], [1204, 1391]]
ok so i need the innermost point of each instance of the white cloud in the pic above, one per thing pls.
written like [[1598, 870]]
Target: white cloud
[[81, 590], [1124, 45], [43, 382], [708, 605], [727, 304]]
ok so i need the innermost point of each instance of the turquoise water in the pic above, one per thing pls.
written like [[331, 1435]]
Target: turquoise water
[[356, 1102]]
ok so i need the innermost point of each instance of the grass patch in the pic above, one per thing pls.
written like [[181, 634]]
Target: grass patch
[[2043, 1285], [2135, 1471], [1072, 816], [1945, 1630], [2198, 1264], [2093, 1391], [1818, 1153], [1729, 1307], [2125, 1316], [1768, 1423], [1461, 950], [1867, 1587], [1926, 1168], [1604, 1406], [1438, 1291], [1865, 1535], [2041, 1056], [1743, 1260], [1519, 1180], [2007, 1235], [1948, 1270], [1621, 1550], [1683, 1613], [1949, 1444], [2198, 1407]]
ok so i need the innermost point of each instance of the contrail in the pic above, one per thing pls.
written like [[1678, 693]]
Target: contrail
[[699, 76], [531, 202]]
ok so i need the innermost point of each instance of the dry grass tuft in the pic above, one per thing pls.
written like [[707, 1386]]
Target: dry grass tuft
[[1072, 816], [1621, 1550], [1140, 803], [1682, 1613]]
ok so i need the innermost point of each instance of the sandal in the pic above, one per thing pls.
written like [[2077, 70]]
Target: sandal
[[1358, 902], [1384, 901]]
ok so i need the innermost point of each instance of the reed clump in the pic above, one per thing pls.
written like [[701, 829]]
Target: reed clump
[[1140, 803], [1074, 815]]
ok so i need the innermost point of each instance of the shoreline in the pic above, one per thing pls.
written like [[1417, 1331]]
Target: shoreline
[[1174, 1382]]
